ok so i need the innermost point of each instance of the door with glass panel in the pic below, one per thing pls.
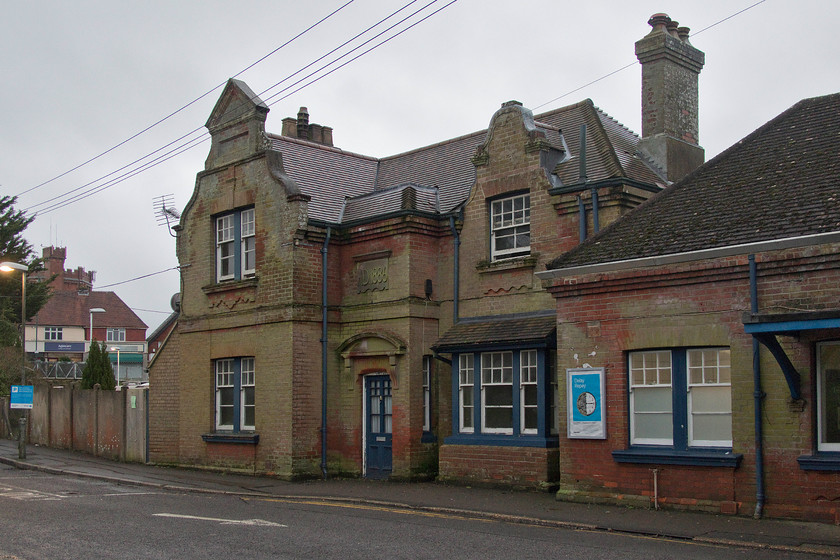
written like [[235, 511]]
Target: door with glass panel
[[378, 426]]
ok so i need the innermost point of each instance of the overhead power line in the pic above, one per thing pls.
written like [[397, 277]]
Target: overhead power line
[[197, 99], [625, 67], [203, 135]]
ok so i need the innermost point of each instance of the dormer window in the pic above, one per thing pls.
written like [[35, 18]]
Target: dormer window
[[235, 245], [510, 227]]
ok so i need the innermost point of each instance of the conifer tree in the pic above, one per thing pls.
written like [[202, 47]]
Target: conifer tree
[[98, 369]]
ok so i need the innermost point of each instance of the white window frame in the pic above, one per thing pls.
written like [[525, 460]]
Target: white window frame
[[466, 386], [247, 233], [246, 401], [236, 251], [528, 378], [650, 364], [510, 217], [823, 394], [495, 374], [224, 379], [715, 372], [53, 333], [225, 252], [115, 334], [427, 394]]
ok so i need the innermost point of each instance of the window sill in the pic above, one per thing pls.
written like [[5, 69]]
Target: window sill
[[502, 440], [243, 437], [668, 456], [501, 265], [229, 285], [824, 461], [428, 437]]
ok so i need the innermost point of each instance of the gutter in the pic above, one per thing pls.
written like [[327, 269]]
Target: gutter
[[690, 256]]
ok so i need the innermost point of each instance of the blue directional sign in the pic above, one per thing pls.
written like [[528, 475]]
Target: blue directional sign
[[22, 396]]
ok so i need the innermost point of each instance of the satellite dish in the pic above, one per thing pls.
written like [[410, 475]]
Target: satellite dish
[[175, 302]]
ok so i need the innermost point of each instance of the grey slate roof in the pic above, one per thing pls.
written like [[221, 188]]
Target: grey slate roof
[[781, 181], [330, 175], [498, 331]]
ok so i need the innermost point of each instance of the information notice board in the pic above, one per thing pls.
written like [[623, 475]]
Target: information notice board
[[585, 393]]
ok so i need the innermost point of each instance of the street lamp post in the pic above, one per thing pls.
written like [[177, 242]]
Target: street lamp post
[[9, 267], [113, 348], [90, 332]]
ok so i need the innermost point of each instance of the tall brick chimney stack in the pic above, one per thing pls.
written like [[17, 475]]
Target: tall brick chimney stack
[[670, 122], [300, 127]]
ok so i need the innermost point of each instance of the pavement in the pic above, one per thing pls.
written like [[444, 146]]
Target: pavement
[[505, 505]]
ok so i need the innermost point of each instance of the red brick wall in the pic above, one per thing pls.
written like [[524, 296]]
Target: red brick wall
[[601, 317], [518, 466]]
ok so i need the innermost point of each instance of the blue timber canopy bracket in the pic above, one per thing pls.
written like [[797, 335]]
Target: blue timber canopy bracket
[[766, 327]]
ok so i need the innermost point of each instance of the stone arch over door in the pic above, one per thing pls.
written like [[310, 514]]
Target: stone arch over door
[[366, 352]]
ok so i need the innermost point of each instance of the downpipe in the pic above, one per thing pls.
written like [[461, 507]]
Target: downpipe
[[758, 397], [324, 354]]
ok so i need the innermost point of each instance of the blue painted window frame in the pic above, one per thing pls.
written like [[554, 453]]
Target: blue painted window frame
[[543, 437], [679, 453], [238, 421]]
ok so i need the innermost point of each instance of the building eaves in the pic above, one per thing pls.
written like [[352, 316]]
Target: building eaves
[[498, 331], [780, 182]]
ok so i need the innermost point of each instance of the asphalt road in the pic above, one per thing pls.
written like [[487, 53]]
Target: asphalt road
[[49, 516]]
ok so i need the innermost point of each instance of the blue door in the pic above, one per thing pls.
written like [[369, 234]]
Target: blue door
[[378, 426]]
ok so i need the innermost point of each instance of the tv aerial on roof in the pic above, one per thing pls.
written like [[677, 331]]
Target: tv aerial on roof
[[165, 211]]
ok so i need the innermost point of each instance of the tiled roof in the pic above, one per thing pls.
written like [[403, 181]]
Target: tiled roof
[[781, 181], [326, 174], [497, 331], [70, 309], [330, 175], [610, 146], [390, 201]]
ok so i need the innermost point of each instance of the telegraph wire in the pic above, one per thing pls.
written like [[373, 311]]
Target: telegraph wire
[[137, 278], [634, 63], [200, 129], [365, 52], [197, 99], [354, 49], [205, 136]]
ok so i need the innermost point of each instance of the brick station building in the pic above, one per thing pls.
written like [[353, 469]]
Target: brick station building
[[711, 317], [344, 314]]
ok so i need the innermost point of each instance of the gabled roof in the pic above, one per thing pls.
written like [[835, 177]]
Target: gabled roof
[[71, 309], [167, 323], [782, 181], [329, 175]]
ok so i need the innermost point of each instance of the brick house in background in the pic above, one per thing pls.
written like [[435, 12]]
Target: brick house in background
[[61, 330], [345, 314], [716, 298]]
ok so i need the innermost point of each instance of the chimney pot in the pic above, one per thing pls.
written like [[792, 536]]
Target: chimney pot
[[303, 123], [672, 29], [683, 34], [659, 22]]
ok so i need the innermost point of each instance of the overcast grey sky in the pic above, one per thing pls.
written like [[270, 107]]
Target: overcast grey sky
[[80, 77]]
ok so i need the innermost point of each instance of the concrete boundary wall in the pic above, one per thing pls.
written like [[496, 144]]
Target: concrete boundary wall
[[112, 424]]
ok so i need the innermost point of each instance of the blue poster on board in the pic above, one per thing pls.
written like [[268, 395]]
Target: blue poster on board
[[22, 396], [585, 390]]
